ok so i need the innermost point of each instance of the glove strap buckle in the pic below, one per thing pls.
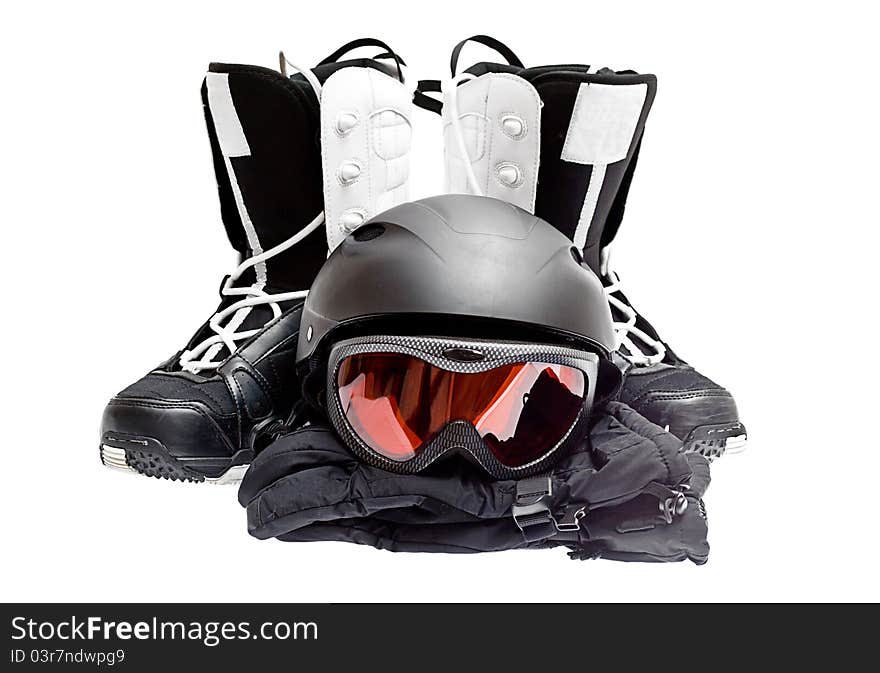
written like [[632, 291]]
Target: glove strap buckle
[[533, 510], [672, 500], [674, 505]]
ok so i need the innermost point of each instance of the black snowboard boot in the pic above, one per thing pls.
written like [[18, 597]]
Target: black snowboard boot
[[200, 415], [563, 142]]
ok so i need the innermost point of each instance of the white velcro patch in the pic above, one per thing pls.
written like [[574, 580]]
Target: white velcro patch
[[230, 135], [233, 143], [500, 119], [600, 133], [365, 145], [603, 122]]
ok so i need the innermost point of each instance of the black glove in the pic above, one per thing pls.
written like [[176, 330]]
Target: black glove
[[307, 486]]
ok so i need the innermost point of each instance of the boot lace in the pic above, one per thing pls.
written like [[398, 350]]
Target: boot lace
[[450, 89], [202, 356], [653, 350]]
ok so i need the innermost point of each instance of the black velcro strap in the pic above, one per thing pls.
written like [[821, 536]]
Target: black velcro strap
[[487, 41], [537, 529], [366, 42], [422, 100]]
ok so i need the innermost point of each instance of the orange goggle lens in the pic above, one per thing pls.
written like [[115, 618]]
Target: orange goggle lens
[[397, 404]]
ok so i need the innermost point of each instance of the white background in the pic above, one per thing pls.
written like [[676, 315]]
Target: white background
[[750, 241]]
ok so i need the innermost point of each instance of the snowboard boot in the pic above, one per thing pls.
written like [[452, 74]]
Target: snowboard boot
[[300, 161], [563, 142]]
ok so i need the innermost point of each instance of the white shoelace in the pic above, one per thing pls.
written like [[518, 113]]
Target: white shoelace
[[626, 329], [254, 295], [450, 89]]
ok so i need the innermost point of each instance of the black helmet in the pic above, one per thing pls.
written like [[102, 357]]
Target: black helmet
[[457, 265]]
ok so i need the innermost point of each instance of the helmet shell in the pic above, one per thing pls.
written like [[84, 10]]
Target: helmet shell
[[456, 257]]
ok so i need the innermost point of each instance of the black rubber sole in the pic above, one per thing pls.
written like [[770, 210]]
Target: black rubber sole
[[151, 459], [713, 441], [156, 465]]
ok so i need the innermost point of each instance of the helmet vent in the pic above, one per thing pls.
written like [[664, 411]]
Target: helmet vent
[[576, 255], [369, 232]]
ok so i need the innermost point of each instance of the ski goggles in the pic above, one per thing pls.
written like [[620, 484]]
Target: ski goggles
[[400, 403]]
